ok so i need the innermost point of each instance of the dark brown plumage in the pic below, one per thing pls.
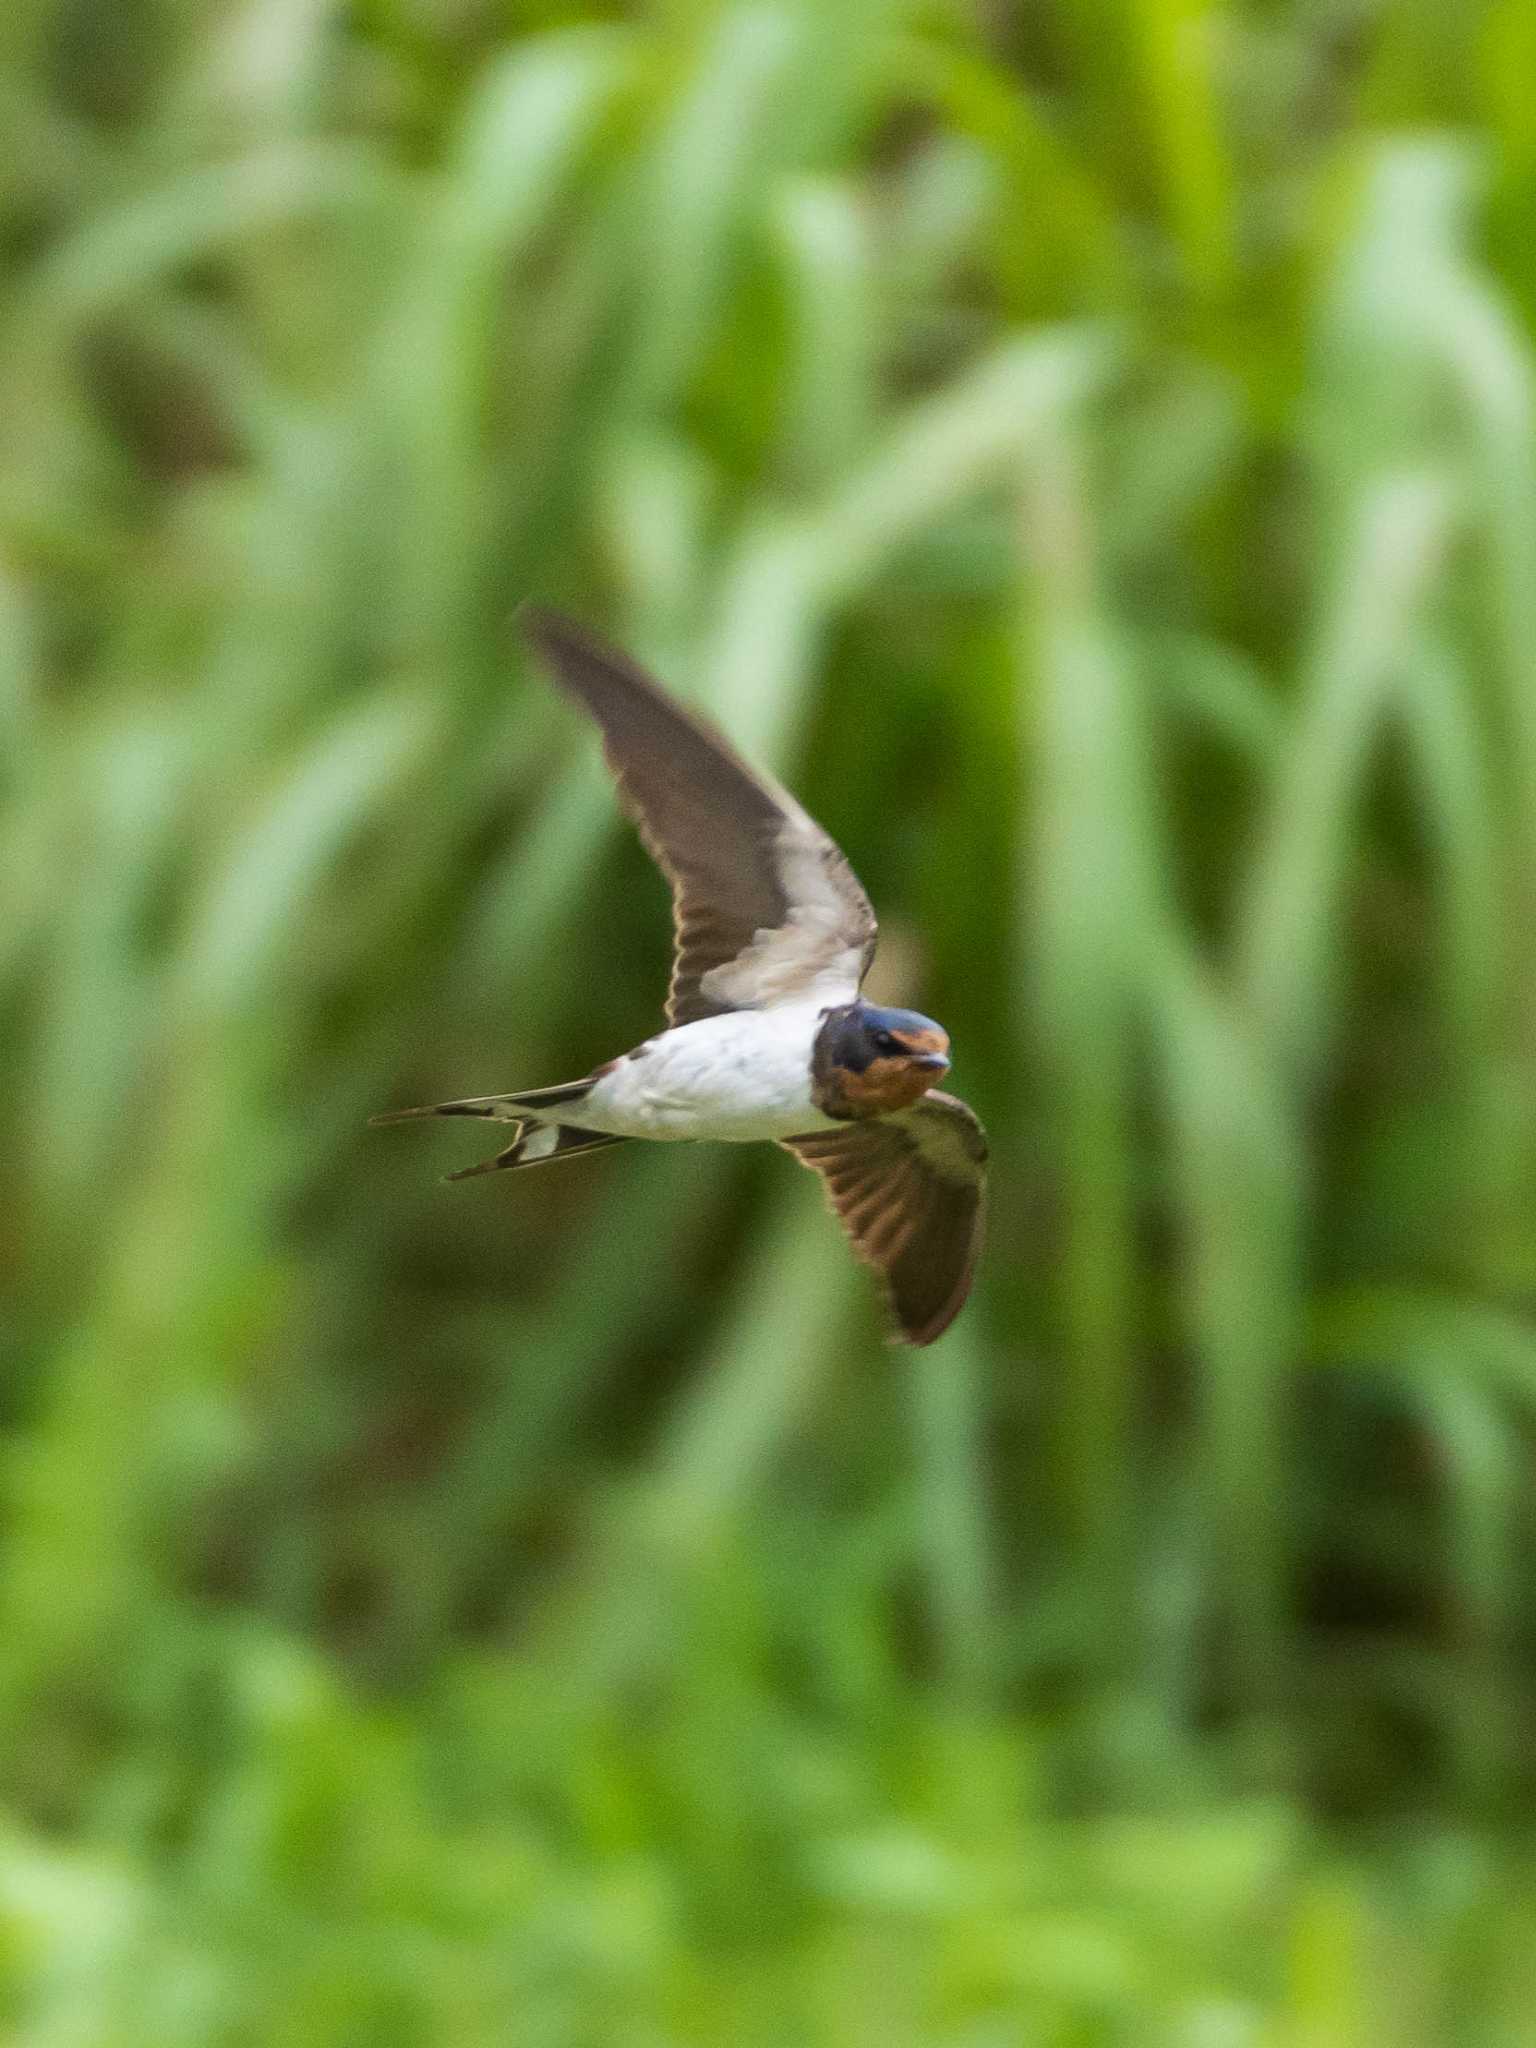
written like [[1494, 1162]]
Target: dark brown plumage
[[737, 849], [769, 918], [908, 1189]]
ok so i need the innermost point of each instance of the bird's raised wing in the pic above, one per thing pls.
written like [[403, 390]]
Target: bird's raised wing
[[764, 905], [909, 1190]]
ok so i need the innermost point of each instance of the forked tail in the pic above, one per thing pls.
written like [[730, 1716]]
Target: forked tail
[[503, 1109], [536, 1145], [536, 1140]]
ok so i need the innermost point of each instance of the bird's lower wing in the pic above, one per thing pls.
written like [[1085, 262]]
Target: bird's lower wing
[[910, 1191]]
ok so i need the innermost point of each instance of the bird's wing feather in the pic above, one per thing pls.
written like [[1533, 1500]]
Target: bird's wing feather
[[909, 1190], [764, 904]]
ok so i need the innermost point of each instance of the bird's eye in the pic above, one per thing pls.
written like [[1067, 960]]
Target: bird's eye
[[884, 1042]]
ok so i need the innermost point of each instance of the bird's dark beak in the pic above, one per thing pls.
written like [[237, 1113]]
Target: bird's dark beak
[[931, 1062]]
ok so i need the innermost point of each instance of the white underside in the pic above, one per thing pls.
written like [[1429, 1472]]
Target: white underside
[[743, 1077]]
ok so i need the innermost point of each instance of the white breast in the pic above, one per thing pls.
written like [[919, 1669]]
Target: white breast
[[743, 1076]]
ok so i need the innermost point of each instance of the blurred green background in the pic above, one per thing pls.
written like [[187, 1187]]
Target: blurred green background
[[1088, 448]]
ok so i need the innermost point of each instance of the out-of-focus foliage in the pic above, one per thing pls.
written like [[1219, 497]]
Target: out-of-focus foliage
[[1088, 447]]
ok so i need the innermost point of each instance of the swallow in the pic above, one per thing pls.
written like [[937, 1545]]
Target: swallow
[[767, 1035]]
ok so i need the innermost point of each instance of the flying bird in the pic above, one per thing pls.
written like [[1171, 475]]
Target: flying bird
[[767, 1035]]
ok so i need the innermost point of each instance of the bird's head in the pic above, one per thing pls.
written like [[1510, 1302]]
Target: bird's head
[[869, 1061]]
